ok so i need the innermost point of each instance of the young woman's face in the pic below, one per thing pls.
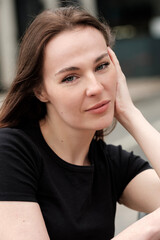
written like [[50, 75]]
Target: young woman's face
[[79, 80]]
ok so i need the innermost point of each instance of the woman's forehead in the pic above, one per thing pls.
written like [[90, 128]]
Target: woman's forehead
[[74, 41]]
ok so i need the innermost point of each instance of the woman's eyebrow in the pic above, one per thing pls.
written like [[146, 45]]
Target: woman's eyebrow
[[101, 57], [68, 69]]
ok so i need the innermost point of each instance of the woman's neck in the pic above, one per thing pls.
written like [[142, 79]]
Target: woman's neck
[[71, 145]]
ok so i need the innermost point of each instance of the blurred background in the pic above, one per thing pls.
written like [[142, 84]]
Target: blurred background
[[136, 25]]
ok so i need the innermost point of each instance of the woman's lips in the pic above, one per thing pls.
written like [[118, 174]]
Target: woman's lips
[[99, 107]]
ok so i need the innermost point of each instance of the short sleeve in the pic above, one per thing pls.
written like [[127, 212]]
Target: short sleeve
[[19, 166], [124, 166]]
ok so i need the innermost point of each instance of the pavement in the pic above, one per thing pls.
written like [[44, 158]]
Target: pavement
[[140, 89], [144, 88]]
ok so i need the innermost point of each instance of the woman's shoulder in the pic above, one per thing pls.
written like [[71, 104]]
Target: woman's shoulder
[[120, 158], [20, 166], [104, 153], [11, 132], [13, 135], [16, 140], [117, 155], [109, 148]]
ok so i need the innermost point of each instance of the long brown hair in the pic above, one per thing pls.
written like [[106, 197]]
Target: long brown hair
[[21, 104]]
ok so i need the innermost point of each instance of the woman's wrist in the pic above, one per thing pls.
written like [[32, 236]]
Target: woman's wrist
[[129, 118]]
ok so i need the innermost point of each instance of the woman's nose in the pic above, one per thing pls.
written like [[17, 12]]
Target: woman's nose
[[94, 86]]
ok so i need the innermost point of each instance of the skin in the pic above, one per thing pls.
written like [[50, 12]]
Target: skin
[[70, 127], [83, 73], [146, 228]]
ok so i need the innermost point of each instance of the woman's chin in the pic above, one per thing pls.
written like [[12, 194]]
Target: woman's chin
[[105, 124]]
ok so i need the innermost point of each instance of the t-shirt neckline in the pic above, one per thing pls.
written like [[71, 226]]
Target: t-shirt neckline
[[61, 161]]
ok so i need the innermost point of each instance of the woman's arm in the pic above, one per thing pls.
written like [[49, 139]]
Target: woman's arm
[[132, 119], [147, 228], [22, 221], [143, 192]]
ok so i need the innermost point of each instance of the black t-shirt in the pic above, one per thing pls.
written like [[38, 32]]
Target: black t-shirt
[[77, 202]]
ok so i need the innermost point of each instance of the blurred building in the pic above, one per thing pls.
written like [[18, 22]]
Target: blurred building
[[136, 25], [137, 28]]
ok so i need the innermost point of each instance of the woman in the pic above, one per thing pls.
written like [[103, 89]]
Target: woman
[[58, 179]]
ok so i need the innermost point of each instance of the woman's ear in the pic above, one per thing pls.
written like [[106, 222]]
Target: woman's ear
[[41, 94]]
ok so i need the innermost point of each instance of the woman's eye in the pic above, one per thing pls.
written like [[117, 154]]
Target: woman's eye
[[102, 66], [69, 79]]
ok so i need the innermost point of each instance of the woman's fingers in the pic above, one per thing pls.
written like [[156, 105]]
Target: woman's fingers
[[115, 62], [123, 102], [113, 56]]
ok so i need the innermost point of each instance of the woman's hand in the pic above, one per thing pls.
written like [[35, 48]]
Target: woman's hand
[[123, 105], [146, 228]]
